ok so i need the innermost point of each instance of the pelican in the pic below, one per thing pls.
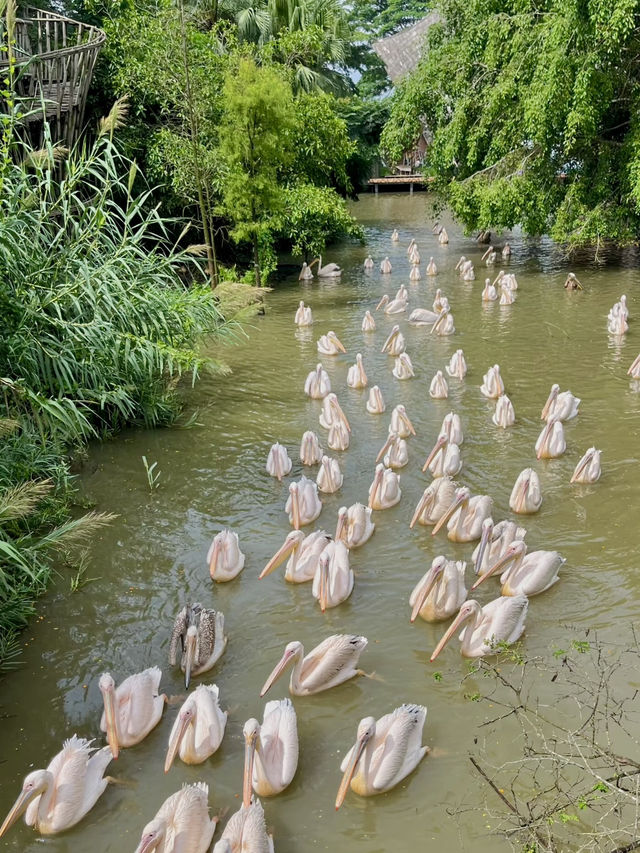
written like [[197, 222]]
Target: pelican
[[385, 752], [411, 246], [338, 438], [131, 710], [394, 306], [494, 542], [270, 751], [457, 366], [368, 323], [306, 273], [245, 832], [329, 270], [199, 727], [634, 370], [443, 237], [452, 428], [440, 592], [375, 403], [354, 526], [303, 317], [434, 502], [551, 443], [489, 293], [561, 406], [59, 797], [400, 422], [317, 384], [620, 308], [500, 621], [182, 823], [385, 266], [506, 251], [310, 450], [444, 459], [432, 269], [440, 301], [330, 344], [394, 452], [224, 557], [403, 369], [465, 516], [438, 389], [507, 296], [511, 281], [384, 491], [526, 497], [330, 477], [414, 257], [460, 263], [202, 640], [395, 236], [303, 504], [492, 384], [356, 376], [402, 293], [334, 579], [414, 273], [329, 664], [422, 317], [572, 282], [490, 256], [368, 263], [617, 325], [302, 553], [332, 413], [444, 324], [468, 273], [394, 344], [527, 574], [588, 468], [504, 415], [278, 461]]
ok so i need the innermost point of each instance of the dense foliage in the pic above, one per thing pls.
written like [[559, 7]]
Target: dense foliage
[[533, 111]]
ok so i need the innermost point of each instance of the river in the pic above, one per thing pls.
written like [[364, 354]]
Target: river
[[152, 559]]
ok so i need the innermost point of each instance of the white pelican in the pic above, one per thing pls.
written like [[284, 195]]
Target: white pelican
[[443, 237], [200, 632], [414, 273], [330, 344], [310, 450], [400, 422], [394, 452], [57, 798], [506, 251], [440, 592], [452, 428], [460, 263], [338, 438], [492, 384], [384, 491], [490, 256], [303, 504], [500, 621], [620, 308], [317, 384], [278, 461], [444, 325], [368, 263], [224, 557], [511, 281], [422, 317], [199, 727], [402, 293], [329, 270], [330, 477], [561, 406], [572, 282], [332, 413], [394, 235], [494, 541], [634, 370], [457, 366], [551, 442], [432, 269], [444, 460], [132, 709], [354, 526], [467, 272], [375, 403], [617, 325], [526, 497], [334, 579], [504, 415], [414, 257], [465, 516], [411, 246], [245, 832], [356, 375], [489, 294], [438, 389], [507, 296], [368, 323], [306, 273], [271, 751], [385, 266], [182, 823], [329, 664], [434, 502], [394, 306], [385, 752], [395, 343], [302, 553], [403, 368], [527, 574], [303, 317], [588, 468]]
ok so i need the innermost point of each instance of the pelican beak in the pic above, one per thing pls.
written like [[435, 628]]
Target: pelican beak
[[379, 401], [484, 541], [190, 657], [460, 619], [460, 499], [390, 339], [499, 564], [278, 558], [175, 740], [19, 807], [547, 405], [382, 302], [426, 501], [351, 769], [432, 578], [522, 493], [250, 743], [324, 583], [295, 508], [342, 520], [110, 721], [277, 467], [339, 344], [385, 447], [582, 464], [459, 264], [405, 420], [443, 314], [213, 562], [440, 443], [277, 672], [636, 362], [377, 480], [575, 278], [545, 438], [488, 252]]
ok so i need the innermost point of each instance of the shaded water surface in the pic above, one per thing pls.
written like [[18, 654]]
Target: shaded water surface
[[152, 559]]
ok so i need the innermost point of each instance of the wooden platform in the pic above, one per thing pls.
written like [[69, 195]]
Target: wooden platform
[[400, 181]]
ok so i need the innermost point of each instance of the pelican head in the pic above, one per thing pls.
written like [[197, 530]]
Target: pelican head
[[108, 689], [291, 650], [383, 301], [251, 732], [553, 395], [153, 836], [513, 554], [469, 610], [366, 730], [437, 568], [462, 496], [485, 538], [442, 441], [291, 543], [393, 334], [35, 783], [185, 717], [335, 340]]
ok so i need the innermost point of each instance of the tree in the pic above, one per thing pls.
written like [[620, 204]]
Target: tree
[[533, 110], [255, 142], [313, 216]]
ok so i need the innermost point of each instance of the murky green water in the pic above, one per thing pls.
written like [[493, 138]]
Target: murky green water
[[153, 558]]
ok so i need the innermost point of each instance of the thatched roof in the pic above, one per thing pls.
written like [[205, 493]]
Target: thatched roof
[[402, 51]]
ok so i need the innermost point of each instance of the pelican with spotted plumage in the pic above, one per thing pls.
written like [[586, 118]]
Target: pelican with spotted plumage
[[200, 633]]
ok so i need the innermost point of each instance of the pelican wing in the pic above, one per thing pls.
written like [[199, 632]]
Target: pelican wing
[[187, 817], [178, 634], [206, 634], [279, 736], [504, 617], [401, 733], [135, 699], [323, 663]]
